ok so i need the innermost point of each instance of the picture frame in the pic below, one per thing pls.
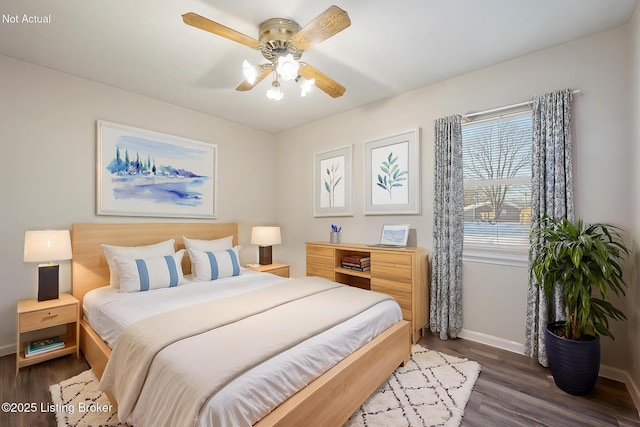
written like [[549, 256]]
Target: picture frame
[[145, 173], [333, 181], [392, 175]]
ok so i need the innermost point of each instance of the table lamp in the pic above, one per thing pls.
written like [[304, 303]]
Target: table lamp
[[47, 246], [264, 237]]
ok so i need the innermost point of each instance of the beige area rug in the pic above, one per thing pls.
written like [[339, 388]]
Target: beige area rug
[[431, 390]]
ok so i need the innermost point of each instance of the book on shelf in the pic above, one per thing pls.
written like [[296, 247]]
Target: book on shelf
[[355, 268], [43, 346], [356, 258], [351, 264]]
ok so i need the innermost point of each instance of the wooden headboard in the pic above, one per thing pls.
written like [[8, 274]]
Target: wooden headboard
[[89, 269]]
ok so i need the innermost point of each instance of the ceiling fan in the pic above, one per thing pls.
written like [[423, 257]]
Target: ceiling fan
[[282, 42]]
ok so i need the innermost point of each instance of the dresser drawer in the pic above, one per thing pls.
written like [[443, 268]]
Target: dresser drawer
[[41, 319], [320, 262], [392, 272], [393, 285], [399, 260], [320, 272], [320, 250], [402, 298]]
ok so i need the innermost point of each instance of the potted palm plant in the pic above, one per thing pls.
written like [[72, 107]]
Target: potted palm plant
[[585, 262]]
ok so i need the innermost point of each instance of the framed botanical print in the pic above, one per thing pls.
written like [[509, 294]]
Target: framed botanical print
[[332, 182], [146, 173], [392, 175]]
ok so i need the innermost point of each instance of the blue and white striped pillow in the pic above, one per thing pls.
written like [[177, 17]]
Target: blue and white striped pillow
[[211, 265], [144, 274]]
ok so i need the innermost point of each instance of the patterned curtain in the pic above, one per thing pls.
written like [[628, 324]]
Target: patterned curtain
[[552, 195], [445, 311]]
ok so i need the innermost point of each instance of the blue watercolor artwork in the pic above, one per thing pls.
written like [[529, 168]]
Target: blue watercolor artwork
[[154, 174]]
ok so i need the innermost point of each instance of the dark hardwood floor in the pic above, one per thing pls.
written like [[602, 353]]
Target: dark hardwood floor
[[32, 386], [512, 390]]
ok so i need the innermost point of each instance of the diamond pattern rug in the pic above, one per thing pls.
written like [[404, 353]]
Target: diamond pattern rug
[[432, 389]]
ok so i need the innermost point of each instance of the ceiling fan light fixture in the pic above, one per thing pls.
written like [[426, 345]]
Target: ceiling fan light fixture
[[250, 71], [282, 42], [274, 92], [287, 67]]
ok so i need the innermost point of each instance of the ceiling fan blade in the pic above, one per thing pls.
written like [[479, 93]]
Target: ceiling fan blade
[[323, 82], [328, 23], [205, 24], [245, 85]]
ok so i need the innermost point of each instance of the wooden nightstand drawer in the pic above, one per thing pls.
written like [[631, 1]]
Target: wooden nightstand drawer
[[34, 315], [46, 318], [277, 269], [282, 271]]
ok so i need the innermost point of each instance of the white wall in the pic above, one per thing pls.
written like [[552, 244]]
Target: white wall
[[48, 139], [494, 297], [633, 312]]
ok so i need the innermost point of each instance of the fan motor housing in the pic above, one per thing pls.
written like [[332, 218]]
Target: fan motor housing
[[274, 36]]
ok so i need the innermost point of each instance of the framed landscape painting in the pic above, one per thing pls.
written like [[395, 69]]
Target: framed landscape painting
[[392, 175], [332, 182], [146, 173]]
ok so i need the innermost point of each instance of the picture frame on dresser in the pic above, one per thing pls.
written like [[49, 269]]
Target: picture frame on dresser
[[392, 175], [146, 173], [332, 183]]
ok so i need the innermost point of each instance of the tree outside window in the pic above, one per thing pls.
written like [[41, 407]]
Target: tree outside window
[[497, 181]]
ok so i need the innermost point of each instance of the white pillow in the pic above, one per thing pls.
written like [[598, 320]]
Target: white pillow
[[214, 265], [209, 245], [145, 274], [155, 250]]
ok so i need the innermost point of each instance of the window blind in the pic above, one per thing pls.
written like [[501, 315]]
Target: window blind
[[497, 181]]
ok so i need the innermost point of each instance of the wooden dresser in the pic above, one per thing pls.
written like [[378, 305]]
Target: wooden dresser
[[399, 272]]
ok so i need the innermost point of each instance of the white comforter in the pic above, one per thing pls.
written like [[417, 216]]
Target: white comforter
[[251, 396]]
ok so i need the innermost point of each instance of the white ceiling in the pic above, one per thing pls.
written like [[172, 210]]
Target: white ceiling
[[391, 47]]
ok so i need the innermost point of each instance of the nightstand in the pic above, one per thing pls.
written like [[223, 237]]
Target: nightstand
[[34, 315], [277, 269]]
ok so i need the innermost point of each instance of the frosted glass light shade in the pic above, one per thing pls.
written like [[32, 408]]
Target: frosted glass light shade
[[250, 72], [287, 67], [274, 92]]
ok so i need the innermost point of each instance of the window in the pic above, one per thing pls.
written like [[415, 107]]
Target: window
[[497, 185]]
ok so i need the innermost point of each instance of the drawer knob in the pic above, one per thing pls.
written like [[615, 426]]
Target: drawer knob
[[50, 316]]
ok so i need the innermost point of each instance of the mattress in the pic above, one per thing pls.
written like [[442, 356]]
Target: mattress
[[258, 391]]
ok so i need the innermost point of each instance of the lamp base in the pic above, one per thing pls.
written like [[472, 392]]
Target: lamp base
[[264, 253], [48, 282]]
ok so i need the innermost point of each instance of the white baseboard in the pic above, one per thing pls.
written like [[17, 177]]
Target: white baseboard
[[8, 349], [605, 370], [493, 341]]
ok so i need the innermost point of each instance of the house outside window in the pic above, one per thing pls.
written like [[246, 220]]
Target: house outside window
[[497, 188]]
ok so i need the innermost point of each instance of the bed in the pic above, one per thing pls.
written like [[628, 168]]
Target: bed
[[328, 400]]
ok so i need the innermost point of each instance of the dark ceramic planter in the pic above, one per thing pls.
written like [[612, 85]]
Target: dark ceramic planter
[[574, 364]]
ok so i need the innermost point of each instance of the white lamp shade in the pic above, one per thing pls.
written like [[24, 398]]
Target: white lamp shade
[[265, 236], [47, 245]]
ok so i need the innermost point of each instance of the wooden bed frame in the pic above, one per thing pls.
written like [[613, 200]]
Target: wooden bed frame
[[328, 400]]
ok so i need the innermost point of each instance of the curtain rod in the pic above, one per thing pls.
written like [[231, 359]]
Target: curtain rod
[[507, 107]]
